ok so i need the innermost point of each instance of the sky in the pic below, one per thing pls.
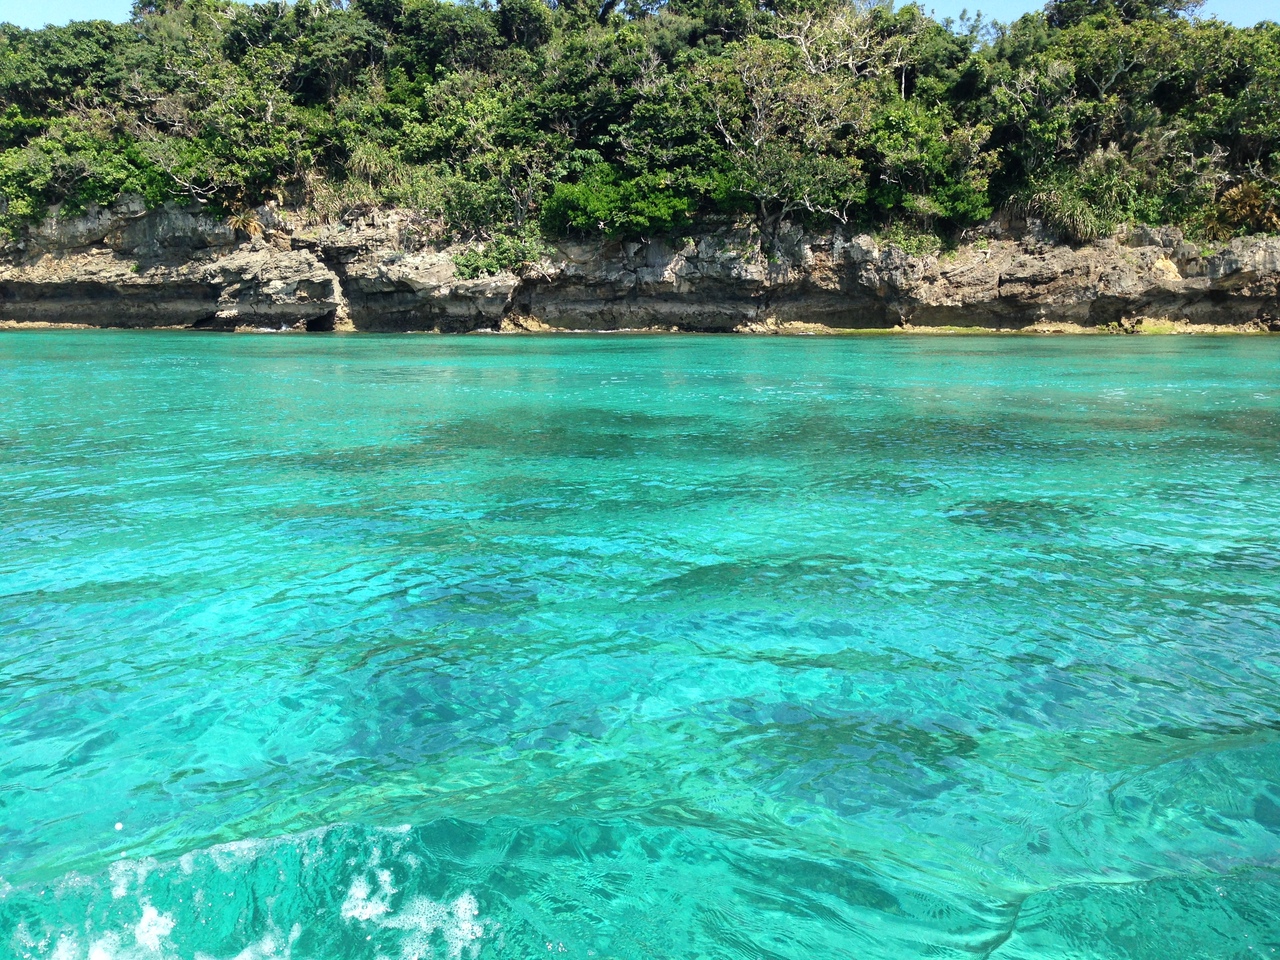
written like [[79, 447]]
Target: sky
[[36, 13]]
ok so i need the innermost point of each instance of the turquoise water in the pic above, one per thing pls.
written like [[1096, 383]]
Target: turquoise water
[[644, 647]]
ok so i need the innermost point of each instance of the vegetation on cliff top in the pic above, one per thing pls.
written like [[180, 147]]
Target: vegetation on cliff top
[[629, 118]]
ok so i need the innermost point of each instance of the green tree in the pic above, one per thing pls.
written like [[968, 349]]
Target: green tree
[[527, 23], [1066, 13], [633, 117]]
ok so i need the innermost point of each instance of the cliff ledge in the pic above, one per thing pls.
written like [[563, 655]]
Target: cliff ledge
[[125, 266]]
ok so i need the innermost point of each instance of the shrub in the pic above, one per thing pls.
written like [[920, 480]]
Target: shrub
[[1246, 207], [504, 252], [603, 202], [914, 242]]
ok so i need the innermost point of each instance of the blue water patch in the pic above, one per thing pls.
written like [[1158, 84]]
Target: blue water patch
[[638, 647]]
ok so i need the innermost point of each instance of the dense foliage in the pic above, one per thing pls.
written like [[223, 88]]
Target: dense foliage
[[627, 118]]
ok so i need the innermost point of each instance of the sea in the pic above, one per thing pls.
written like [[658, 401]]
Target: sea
[[404, 647]]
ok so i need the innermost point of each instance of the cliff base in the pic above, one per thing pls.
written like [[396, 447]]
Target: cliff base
[[129, 267]]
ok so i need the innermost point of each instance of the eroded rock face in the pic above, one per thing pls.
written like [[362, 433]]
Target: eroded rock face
[[126, 266]]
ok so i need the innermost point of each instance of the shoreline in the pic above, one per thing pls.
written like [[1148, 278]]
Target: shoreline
[[1159, 328], [126, 266]]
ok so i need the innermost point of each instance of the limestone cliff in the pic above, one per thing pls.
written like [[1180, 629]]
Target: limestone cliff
[[126, 266]]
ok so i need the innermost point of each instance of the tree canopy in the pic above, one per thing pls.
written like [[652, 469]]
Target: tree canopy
[[635, 118]]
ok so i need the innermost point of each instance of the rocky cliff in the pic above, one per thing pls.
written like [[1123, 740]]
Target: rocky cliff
[[129, 267]]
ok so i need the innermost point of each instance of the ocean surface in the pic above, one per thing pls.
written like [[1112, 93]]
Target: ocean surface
[[639, 647]]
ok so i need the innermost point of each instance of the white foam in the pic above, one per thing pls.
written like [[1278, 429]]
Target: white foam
[[419, 919], [149, 937], [363, 904], [415, 927], [464, 932], [124, 873], [265, 949], [107, 948], [152, 928], [228, 856]]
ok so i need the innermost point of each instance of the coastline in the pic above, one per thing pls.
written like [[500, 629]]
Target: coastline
[[1156, 328], [126, 266]]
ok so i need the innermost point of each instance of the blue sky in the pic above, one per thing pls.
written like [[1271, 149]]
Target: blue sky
[[36, 13]]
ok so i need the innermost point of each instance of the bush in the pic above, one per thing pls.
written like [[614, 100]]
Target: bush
[[603, 202], [914, 242], [75, 167], [1245, 208], [1066, 213], [502, 253]]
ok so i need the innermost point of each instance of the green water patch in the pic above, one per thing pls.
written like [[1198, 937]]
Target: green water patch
[[697, 647]]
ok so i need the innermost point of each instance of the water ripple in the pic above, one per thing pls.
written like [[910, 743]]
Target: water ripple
[[660, 647]]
